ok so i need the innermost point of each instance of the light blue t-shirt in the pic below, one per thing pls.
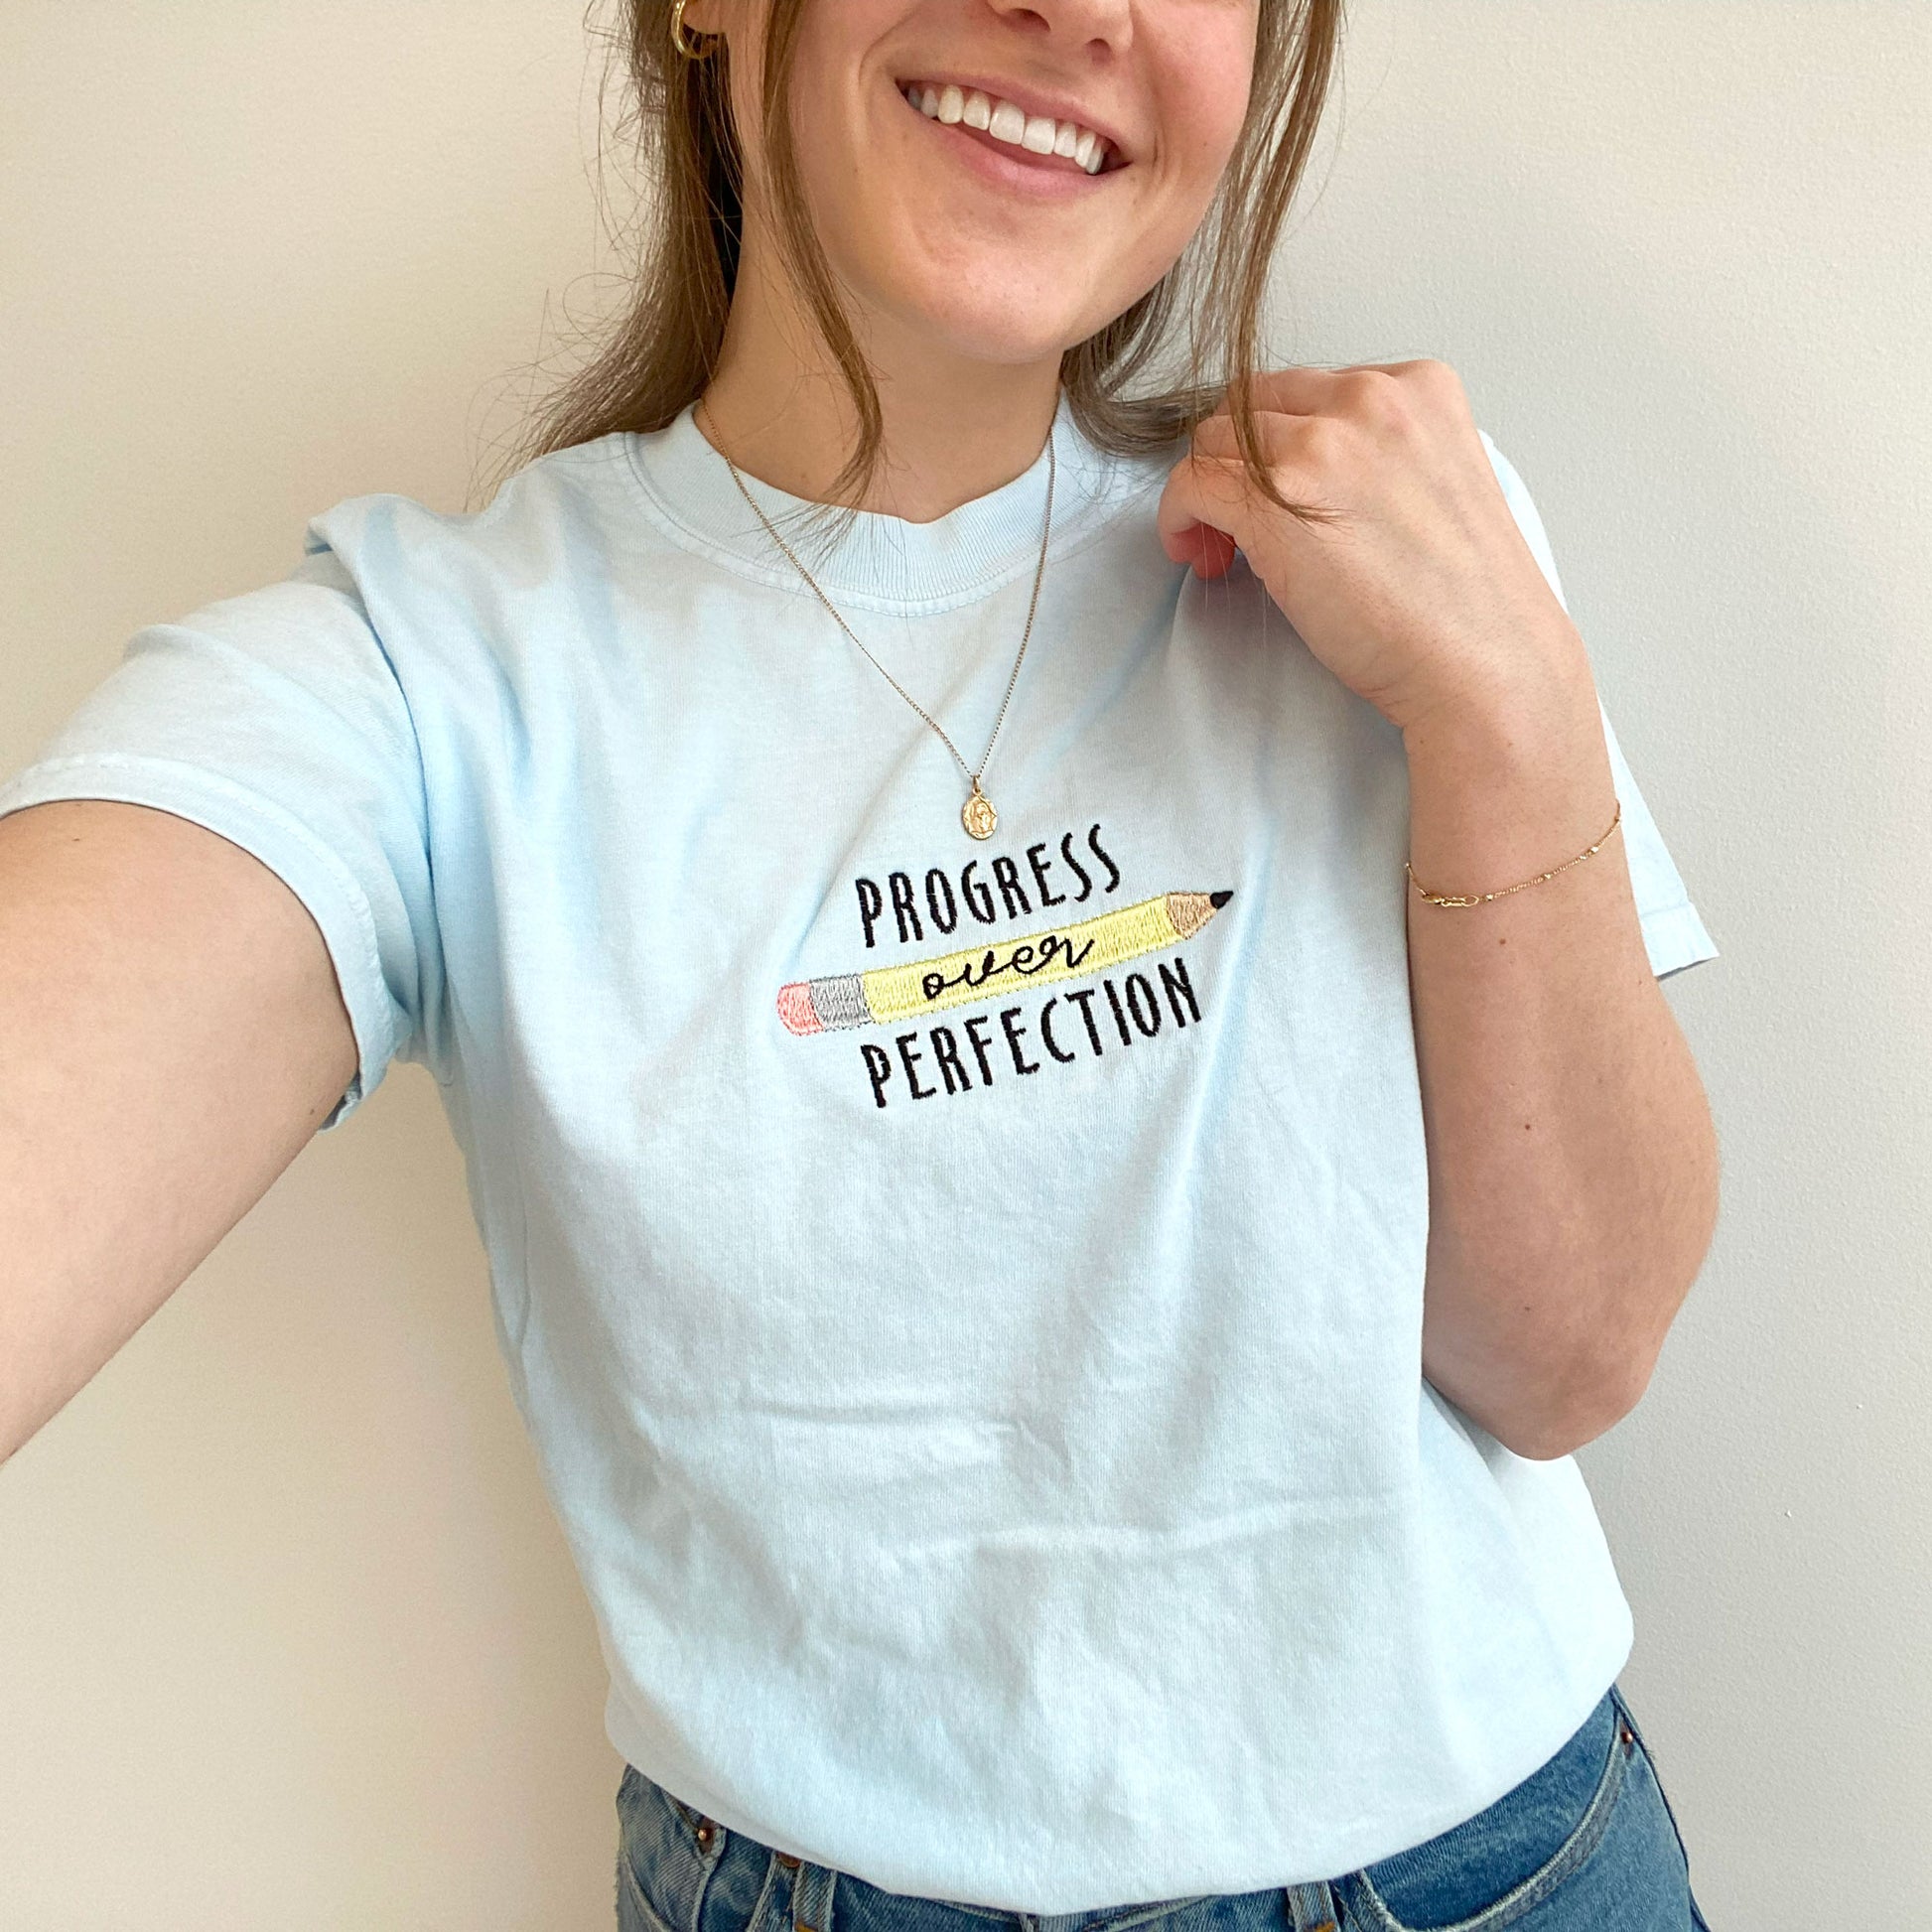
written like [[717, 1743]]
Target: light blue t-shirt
[[966, 1298]]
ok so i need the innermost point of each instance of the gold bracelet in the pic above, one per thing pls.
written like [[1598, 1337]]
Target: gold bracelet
[[1479, 898]]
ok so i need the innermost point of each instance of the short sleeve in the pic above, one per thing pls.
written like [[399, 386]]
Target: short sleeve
[[276, 719], [1674, 934]]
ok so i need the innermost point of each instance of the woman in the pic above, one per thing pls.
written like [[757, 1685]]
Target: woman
[[1063, 1073]]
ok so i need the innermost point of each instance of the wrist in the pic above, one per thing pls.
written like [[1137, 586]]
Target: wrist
[[1544, 687], [1507, 781]]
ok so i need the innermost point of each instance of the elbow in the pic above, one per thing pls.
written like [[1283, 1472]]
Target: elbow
[[1548, 1409], [1544, 1389], [1601, 1381], [1561, 1354], [1580, 1416]]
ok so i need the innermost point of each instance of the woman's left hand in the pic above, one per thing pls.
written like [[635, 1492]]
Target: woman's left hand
[[1421, 592]]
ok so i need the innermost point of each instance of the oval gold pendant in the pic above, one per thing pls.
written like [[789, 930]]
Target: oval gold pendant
[[977, 814]]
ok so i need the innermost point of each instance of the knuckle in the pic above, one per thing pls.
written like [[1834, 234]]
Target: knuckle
[[1213, 440], [1325, 441], [1436, 379], [1372, 392]]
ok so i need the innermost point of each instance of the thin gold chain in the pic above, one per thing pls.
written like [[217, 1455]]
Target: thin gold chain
[[1483, 899], [1040, 568]]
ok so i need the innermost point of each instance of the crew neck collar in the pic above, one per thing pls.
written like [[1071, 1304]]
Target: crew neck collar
[[883, 563]]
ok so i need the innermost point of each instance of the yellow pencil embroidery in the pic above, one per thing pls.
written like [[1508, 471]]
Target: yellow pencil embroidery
[[923, 986]]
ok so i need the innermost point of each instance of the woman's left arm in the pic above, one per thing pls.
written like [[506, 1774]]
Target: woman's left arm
[[1573, 1169]]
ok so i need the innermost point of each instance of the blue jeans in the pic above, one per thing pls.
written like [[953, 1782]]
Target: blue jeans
[[1588, 1842]]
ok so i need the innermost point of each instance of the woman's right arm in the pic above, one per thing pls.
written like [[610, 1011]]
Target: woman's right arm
[[170, 1036]]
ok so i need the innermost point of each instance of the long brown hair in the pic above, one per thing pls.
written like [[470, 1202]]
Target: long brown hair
[[661, 354]]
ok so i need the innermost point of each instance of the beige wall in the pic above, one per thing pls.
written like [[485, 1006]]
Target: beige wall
[[287, 1635]]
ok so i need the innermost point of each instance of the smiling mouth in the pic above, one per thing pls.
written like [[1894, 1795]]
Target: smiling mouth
[[1059, 144]]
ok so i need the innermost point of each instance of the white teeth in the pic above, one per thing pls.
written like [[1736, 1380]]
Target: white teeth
[[1006, 121]]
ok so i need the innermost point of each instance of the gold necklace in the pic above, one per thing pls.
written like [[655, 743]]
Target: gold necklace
[[977, 814]]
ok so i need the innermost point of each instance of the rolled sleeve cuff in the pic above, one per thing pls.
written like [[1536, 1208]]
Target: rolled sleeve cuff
[[267, 831], [1675, 937]]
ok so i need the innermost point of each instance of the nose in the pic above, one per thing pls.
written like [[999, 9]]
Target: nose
[[1102, 27]]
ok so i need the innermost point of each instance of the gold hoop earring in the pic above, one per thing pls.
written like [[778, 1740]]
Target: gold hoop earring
[[695, 49]]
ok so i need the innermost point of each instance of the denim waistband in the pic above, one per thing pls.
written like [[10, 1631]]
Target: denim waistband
[[681, 1872], [705, 1879]]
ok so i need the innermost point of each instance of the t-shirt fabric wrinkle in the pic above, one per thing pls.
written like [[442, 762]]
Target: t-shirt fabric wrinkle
[[965, 1297]]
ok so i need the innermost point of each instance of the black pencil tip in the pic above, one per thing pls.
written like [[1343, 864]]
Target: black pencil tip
[[1218, 900]]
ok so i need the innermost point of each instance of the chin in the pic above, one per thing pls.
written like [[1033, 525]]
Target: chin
[[1012, 332]]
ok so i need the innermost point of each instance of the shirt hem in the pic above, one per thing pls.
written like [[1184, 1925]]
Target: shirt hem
[[1159, 1879]]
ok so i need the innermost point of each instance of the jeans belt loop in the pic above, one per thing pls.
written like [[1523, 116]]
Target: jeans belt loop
[[1312, 1908], [811, 1894]]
